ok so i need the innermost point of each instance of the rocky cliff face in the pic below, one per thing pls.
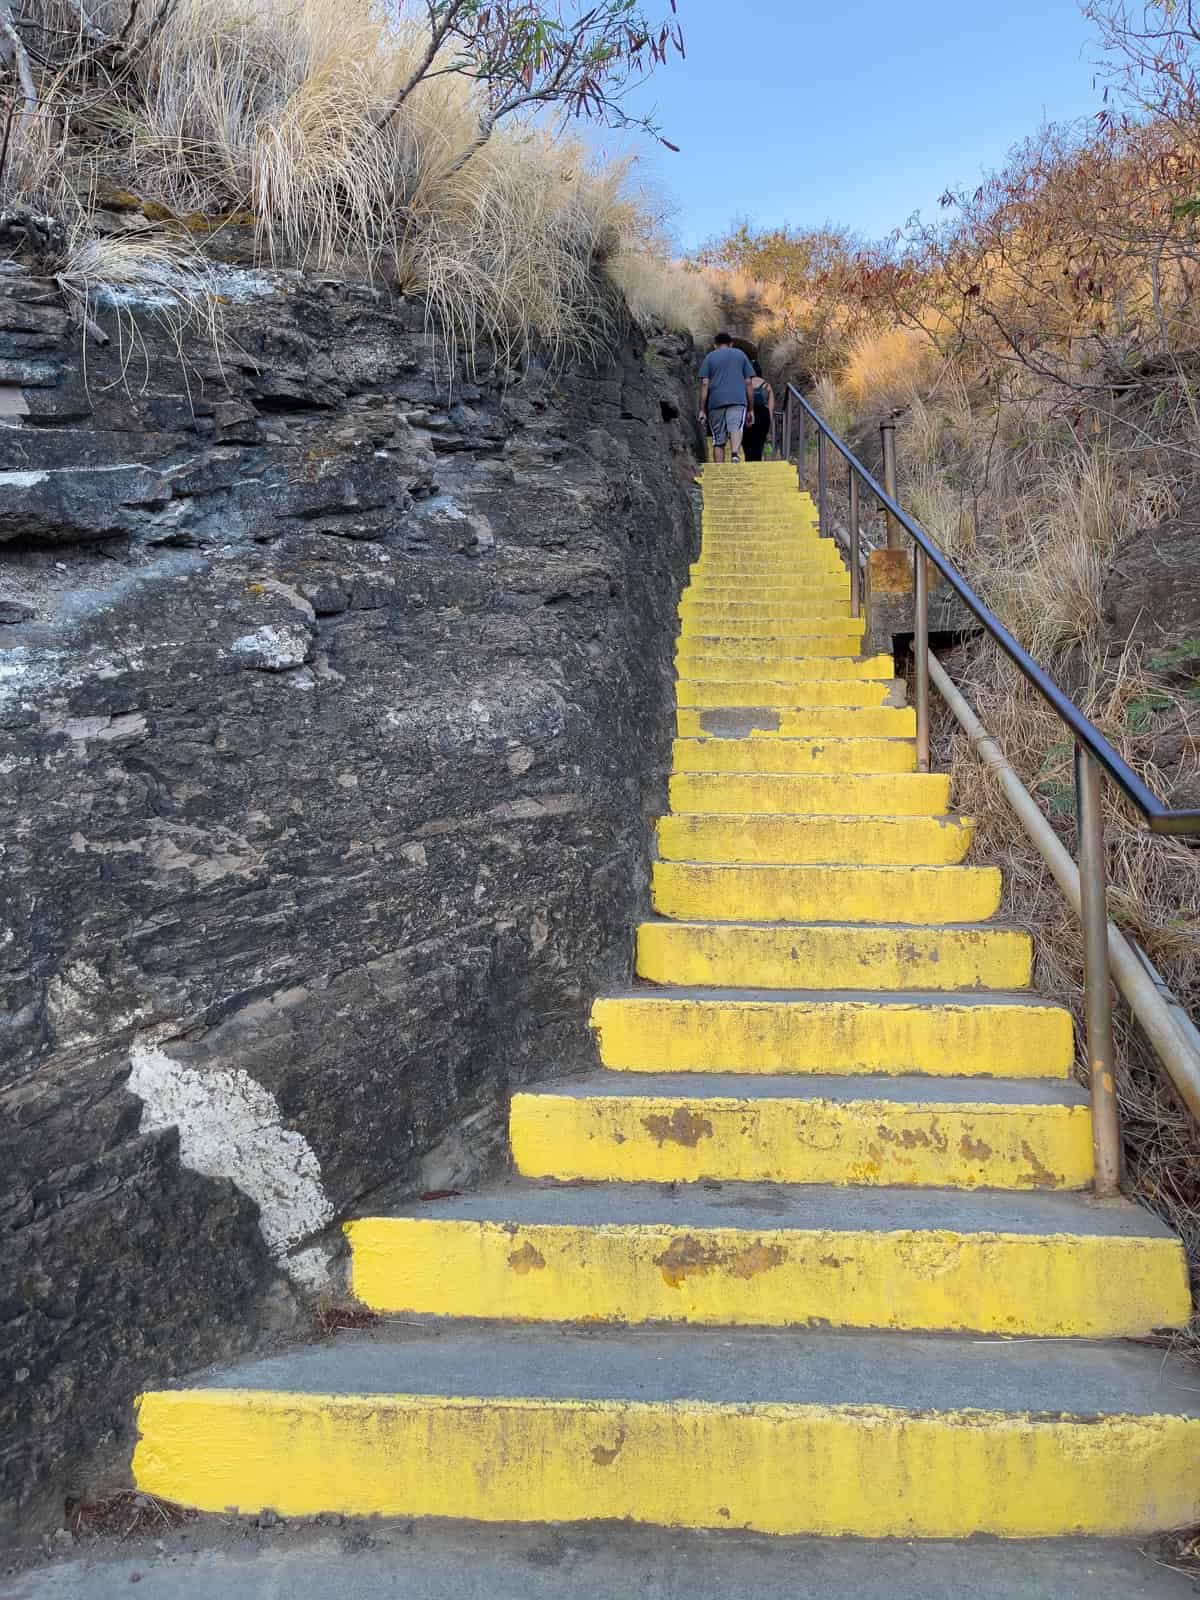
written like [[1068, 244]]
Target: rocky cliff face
[[334, 696]]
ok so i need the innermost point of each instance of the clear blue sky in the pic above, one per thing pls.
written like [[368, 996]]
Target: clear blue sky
[[863, 112]]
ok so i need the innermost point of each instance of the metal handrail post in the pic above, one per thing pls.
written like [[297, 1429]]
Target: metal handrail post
[[855, 574], [1097, 990], [822, 486], [787, 429], [887, 436], [802, 449], [921, 654]]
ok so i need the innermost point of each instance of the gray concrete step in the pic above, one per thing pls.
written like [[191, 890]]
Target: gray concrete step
[[907, 1087], [731, 1366], [768, 1207], [226, 1559]]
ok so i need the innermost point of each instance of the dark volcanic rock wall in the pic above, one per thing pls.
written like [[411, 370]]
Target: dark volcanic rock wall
[[332, 711]]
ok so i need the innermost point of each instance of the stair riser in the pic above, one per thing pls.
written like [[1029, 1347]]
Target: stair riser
[[817, 606], [797, 639], [800, 553], [829, 722], [661, 1034], [871, 841], [861, 958], [785, 669], [773, 692], [901, 794], [824, 590], [798, 756], [799, 633], [945, 1145], [827, 656], [854, 1470], [861, 894], [768, 573], [1034, 1285]]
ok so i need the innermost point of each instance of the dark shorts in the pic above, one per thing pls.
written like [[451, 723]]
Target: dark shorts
[[724, 420]]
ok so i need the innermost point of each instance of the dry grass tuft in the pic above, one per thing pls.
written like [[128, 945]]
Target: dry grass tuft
[[666, 292], [888, 367], [276, 111], [1154, 882]]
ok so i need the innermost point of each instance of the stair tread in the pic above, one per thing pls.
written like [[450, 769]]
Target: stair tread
[[923, 930], [911, 1372], [866, 997], [769, 1207], [902, 1089], [381, 1559], [822, 868]]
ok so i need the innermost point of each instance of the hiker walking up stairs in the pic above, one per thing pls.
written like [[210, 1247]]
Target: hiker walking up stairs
[[759, 1269]]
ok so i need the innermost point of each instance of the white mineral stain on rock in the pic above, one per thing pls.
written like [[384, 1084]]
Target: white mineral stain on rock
[[274, 647], [231, 1127]]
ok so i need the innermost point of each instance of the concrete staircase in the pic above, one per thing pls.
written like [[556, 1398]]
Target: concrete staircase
[[813, 1250]]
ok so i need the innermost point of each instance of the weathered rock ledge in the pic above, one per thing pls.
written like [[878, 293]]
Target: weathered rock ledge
[[333, 702]]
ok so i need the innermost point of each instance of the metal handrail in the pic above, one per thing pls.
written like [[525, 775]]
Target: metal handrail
[[1093, 756], [1160, 818]]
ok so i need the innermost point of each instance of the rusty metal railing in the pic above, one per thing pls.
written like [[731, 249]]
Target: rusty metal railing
[[1095, 759]]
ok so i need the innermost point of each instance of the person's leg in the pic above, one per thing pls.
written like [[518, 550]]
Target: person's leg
[[762, 428], [737, 417], [718, 421]]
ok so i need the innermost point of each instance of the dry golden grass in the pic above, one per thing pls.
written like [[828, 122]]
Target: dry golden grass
[[888, 367], [277, 110], [1154, 893], [670, 293]]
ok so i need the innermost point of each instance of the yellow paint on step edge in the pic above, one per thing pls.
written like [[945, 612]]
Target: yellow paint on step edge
[[743, 956], [773, 840], [920, 895], [875, 1471], [731, 669], [767, 691], [639, 1138], [876, 794], [898, 721], [770, 647], [942, 1281], [797, 756], [942, 1038]]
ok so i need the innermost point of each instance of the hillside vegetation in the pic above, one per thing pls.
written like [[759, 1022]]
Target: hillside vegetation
[[429, 145]]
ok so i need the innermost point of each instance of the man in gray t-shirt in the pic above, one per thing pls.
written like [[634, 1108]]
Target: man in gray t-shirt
[[726, 393]]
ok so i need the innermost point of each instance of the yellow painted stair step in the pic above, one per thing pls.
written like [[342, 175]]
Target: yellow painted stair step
[[746, 1255], [962, 1036], [775, 647], [782, 756], [767, 572], [774, 840], [833, 587], [873, 794], [846, 627], [756, 570], [631, 1438], [780, 669], [830, 955], [924, 895], [815, 605], [763, 691], [687, 1137], [829, 722], [786, 669]]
